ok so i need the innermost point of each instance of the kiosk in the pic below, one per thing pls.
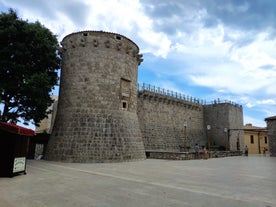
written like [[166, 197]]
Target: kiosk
[[14, 141]]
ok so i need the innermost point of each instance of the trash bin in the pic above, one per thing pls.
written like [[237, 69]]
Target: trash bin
[[14, 141]]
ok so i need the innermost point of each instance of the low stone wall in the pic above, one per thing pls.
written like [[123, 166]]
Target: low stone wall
[[190, 155]]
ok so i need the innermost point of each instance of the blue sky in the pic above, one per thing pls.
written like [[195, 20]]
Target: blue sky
[[207, 49]]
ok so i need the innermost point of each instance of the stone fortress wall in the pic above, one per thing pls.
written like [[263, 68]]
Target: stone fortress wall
[[161, 121], [162, 114], [271, 127], [102, 117]]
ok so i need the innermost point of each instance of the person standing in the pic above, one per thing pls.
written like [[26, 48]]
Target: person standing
[[246, 151], [205, 153], [196, 148]]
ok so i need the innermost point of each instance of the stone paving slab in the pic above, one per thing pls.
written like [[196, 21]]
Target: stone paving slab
[[231, 181]]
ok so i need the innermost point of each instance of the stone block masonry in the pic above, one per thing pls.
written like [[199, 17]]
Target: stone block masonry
[[161, 120], [162, 113], [97, 111], [190, 155], [226, 125]]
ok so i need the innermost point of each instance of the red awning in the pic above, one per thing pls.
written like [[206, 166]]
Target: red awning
[[15, 129]]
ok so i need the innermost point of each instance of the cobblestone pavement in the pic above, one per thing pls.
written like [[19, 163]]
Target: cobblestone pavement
[[232, 181]]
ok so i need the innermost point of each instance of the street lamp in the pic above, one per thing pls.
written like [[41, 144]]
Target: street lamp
[[209, 137], [185, 124], [226, 138]]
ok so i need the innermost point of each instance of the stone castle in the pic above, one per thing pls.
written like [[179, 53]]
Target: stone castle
[[104, 116]]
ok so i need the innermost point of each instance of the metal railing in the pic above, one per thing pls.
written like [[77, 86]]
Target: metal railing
[[218, 101], [185, 97], [162, 91]]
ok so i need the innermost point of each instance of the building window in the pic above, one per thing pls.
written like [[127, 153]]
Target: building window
[[251, 139], [124, 105], [265, 140], [125, 93]]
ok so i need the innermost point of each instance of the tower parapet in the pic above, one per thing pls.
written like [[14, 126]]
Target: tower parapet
[[101, 40]]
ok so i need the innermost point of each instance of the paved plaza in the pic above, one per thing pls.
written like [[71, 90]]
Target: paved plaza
[[224, 182]]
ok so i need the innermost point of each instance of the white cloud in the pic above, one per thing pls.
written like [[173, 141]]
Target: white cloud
[[258, 53], [156, 43], [119, 16], [234, 8], [202, 44], [253, 103], [256, 122], [220, 65]]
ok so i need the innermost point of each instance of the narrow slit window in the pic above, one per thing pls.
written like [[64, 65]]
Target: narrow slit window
[[124, 105], [125, 94]]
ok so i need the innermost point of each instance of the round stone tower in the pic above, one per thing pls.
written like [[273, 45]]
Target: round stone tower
[[97, 118]]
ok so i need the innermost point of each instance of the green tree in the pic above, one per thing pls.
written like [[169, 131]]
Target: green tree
[[29, 63]]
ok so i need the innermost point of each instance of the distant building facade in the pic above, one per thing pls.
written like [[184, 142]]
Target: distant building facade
[[46, 125], [38, 143], [256, 139]]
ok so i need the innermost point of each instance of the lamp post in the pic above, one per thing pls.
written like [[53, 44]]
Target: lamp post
[[226, 138], [185, 123], [238, 141], [209, 137]]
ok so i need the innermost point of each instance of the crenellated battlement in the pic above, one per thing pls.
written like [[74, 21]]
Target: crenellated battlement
[[101, 40]]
